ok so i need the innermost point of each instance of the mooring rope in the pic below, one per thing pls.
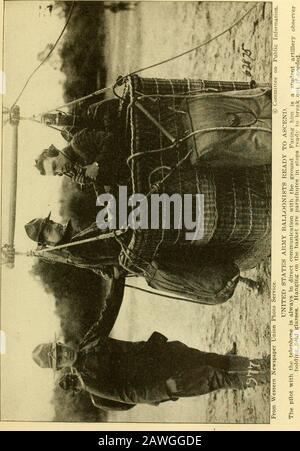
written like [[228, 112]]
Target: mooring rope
[[122, 79], [193, 49], [161, 294]]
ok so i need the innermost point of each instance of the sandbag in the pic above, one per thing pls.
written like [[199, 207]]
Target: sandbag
[[233, 128], [211, 282]]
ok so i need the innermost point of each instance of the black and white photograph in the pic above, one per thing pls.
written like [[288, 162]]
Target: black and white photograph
[[136, 212]]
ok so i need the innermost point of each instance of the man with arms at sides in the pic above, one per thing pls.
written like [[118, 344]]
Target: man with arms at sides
[[119, 374]]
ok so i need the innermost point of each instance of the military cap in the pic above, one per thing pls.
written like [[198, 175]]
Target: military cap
[[45, 355], [35, 228]]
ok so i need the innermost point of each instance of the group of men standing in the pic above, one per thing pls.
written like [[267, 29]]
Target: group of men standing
[[119, 374]]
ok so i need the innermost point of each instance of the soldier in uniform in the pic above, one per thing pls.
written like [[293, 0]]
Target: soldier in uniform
[[120, 374], [95, 153], [211, 281], [99, 256]]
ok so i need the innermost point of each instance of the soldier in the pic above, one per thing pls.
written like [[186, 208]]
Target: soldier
[[120, 374], [99, 256], [91, 157], [210, 281], [95, 154]]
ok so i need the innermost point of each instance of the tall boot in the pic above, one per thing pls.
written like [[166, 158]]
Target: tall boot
[[241, 373], [259, 372]]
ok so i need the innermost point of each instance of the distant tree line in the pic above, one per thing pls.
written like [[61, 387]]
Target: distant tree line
[[82, 51]]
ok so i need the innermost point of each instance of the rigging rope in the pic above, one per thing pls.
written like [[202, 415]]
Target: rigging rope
[[47, 56], [194, 48], [122, 79], [81, 99], [161, 294]]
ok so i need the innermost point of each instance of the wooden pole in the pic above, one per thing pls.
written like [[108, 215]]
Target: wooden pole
[[14, 121]]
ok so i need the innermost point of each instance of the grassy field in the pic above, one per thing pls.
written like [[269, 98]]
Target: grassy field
[[150, 33]]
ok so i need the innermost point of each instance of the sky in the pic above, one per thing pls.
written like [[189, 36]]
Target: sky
[[27, 312]]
